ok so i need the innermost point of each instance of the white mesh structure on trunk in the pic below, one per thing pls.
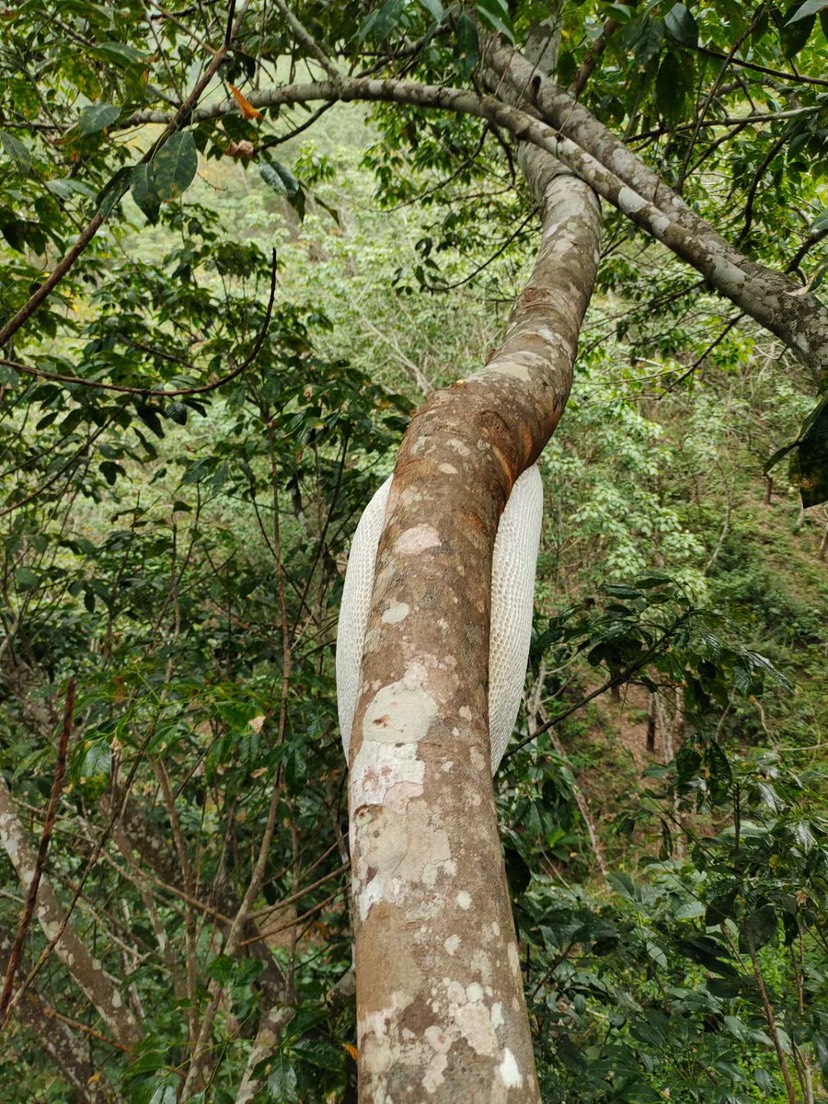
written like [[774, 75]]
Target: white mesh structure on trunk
[[513, 585]]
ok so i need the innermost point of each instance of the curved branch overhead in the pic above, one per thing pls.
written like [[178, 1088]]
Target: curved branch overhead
[[177, 550]]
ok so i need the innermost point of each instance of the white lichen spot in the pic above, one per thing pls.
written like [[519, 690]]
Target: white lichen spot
[[476, 1028], [510, 1075], [455, 991], [437, 1039], [448, 469], [452, 944], [465, 712], [478, 759], [474, 992], [396, 612], [374, 1041], [660, 225], [417, 539], [433, 1076], [514, 959], [630, 202], [380, 768], [464, 901], [446, 767], [400, 713], [430, 872], [497, 1015]]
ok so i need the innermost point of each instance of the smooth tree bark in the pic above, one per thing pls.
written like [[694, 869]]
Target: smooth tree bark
[[550, 118], [441, 1014], [440, 1007]]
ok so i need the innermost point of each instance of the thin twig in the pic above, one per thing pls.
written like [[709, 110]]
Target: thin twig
[[148, 392], [43, 851]]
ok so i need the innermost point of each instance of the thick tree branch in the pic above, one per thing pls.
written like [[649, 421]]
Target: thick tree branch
[[592, 152], [430, 895]]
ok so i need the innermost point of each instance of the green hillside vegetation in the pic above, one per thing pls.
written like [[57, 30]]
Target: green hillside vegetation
[[172, 569]]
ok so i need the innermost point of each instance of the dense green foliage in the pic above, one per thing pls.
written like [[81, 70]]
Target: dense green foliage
[[181, 555]]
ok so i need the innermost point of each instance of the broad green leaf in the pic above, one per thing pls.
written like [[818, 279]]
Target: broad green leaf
[[495, 14], [15, 149], [25, 578], [97, 117], [758, 929], [648, 43], [67, 188], [794, 33], [682, 26], [380, 24], [174, 166], [810, 7], [809, 460], [110, 195], [284, 183], [121, 53], [144, 192], [435, 8], [469, 44], [673, 86]]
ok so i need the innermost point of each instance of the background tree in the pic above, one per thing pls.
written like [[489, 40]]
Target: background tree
[[186, 446]]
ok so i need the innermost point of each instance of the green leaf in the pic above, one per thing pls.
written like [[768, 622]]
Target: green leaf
[[810, 7], [468, 43], [648, 43], [97, 117], [174, 166], [777, 456], [495, 14], [144, 192], [623, 884], [121, 54], [111, 194], [382, 22], [110, 470], [758, 929], [809, 462], [67, 188], [26, 579], [15, 149], [435, 8], [821, 221], [149, 416], [794, 33], [682, 26], [673, 85], [284, 183]]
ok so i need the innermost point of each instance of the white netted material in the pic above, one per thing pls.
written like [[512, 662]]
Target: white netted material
[[513, 584]]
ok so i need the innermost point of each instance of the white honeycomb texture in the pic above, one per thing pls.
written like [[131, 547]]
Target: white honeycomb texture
[[513, 586]]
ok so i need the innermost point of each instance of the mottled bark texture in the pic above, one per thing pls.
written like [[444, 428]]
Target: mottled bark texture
[[552, 119], [440, 1006], [592, 151]]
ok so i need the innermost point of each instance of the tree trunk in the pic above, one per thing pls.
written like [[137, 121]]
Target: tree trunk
[[441, 1014]]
